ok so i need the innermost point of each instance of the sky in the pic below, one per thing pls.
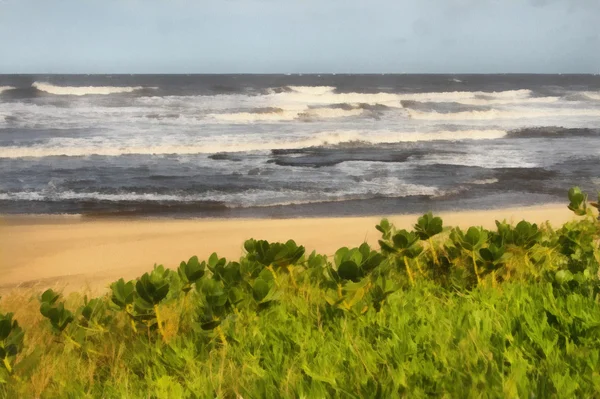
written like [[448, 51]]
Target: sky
[[299, 36]]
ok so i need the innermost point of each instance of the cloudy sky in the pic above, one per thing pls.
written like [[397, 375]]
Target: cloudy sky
[[270, 36]]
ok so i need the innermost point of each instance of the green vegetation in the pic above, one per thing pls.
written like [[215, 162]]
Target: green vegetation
[[436, 311]]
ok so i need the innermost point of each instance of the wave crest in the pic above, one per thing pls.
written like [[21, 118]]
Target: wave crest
[[273, 114], [386, 187], [592, 95], [78, 147], [83, 90], [501, 114]]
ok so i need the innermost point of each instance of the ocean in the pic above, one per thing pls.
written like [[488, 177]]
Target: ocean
[[293, 145]]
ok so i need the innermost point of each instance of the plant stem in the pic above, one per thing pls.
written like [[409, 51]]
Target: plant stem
[[433, 253], [128, 308], [292, 278], [7, 365], [222, 365], [159, 321], [475, 267], [72, 340], [133, 326], [221, 335], [419, 266], [270, 268], [410, 276]]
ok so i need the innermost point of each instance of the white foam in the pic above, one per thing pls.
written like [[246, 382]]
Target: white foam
[[81, 90], [386, 187], [250, 117], [327, 96], [502, 114], [303, 98], [312, 90], [485, 181], [593, 95], [326, 113], [286, 115], [489, 160], [82, 147], [5, 88]]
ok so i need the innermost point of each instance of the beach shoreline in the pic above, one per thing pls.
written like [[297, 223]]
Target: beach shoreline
[[73, 253]]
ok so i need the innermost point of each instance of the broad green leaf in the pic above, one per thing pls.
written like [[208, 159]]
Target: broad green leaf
[[260, 289], [349, 270], [428, 226]]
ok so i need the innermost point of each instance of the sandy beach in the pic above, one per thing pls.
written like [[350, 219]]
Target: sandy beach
[[72, 252]]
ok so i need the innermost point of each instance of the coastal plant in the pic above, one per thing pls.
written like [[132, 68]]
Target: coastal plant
[[11, 344], [55, 312], [350, 282], [276, 257], [151, 289], [492, 258], [354, 264], [190, 273], [596, 204], [403, 245], [578, 201], [366, 323], [123, 295], [471, 242], [94, 315], [524, 235], [426, 228]]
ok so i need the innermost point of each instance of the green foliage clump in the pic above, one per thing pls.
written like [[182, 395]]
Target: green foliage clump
[[11, 343], [435, 312]]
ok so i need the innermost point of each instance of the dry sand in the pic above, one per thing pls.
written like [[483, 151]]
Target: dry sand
[[74, 253]]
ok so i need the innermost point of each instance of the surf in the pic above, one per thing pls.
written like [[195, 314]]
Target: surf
[[83, 90]]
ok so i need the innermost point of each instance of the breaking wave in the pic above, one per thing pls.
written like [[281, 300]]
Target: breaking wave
[[592, 95], [81, 90], [328, 95], [278, 114], [78, 147], [5, 88], [389, 187], [553, 131], [312, 90], [501, 114]]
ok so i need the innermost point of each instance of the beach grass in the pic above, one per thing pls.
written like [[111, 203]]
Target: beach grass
[[429, 311]]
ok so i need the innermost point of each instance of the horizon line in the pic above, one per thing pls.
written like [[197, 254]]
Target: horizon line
[[293, 73]]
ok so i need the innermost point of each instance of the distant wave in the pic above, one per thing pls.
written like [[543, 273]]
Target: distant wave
[[592, 95], [278, 114], [5, 88], [502, 114], [553, 131], [75, 147], [327, 95], [364, 106], [442, 107], [312, 90], [266, 110], [387, 187], [484, 182], [324, 90], [82, 91]]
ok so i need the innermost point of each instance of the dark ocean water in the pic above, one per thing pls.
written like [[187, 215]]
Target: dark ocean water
[[293, 145]]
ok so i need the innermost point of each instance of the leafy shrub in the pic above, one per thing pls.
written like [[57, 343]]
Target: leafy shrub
[[496, 313]]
